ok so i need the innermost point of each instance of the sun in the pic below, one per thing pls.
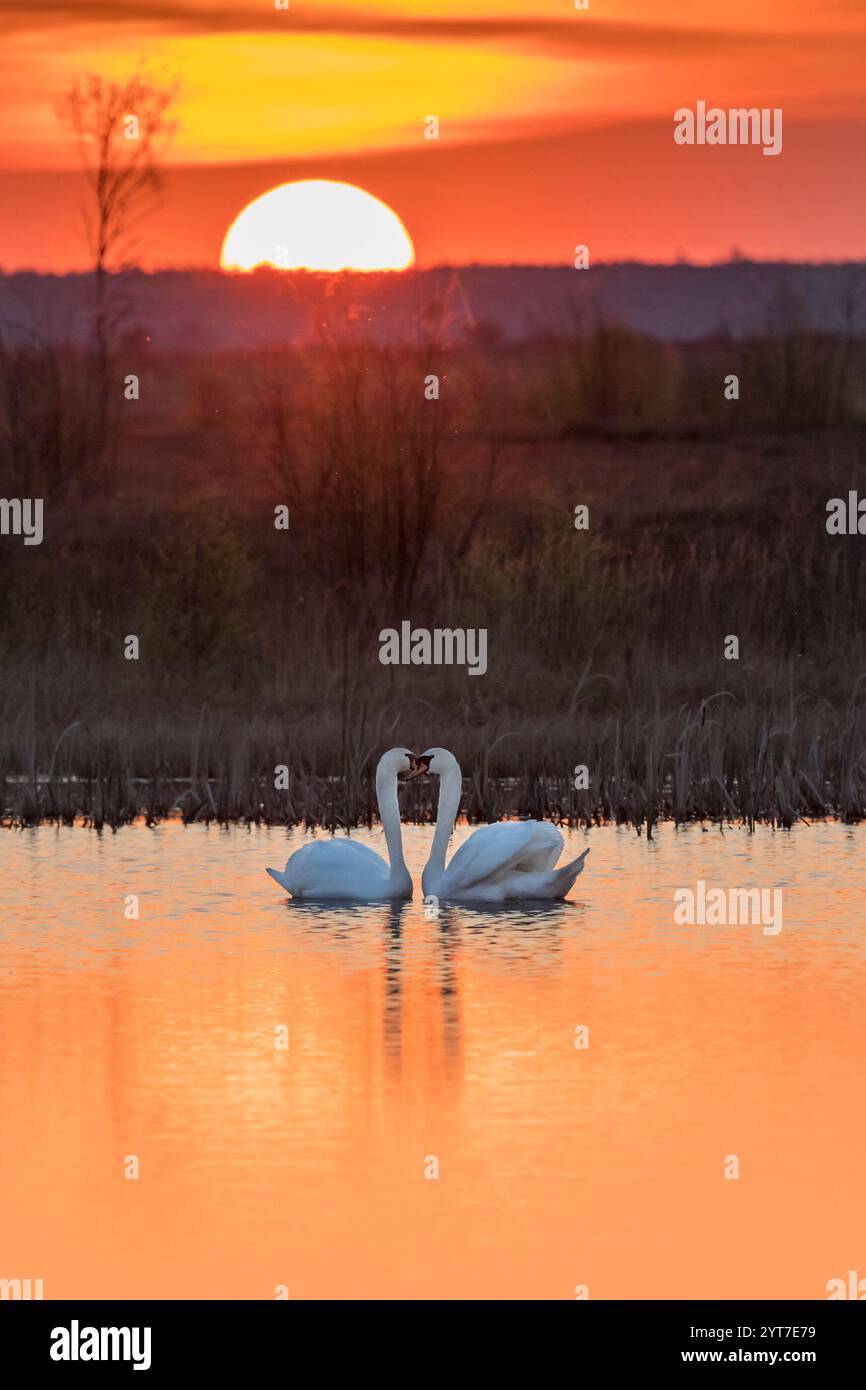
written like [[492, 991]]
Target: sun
[[317, 224]]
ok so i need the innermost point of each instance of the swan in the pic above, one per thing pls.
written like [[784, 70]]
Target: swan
[[348, 870], [498, 863]]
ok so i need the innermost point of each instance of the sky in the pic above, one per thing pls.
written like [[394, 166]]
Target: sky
[[555, 124]]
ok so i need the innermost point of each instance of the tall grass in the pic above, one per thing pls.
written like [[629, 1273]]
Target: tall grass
[[713, 762]]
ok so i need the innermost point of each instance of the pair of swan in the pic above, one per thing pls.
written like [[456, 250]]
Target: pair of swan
[[498, 863]]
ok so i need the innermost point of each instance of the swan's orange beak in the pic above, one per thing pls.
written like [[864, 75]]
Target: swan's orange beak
[[417, 767]]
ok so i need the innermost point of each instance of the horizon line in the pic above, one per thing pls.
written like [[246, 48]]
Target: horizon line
[[270, 270]]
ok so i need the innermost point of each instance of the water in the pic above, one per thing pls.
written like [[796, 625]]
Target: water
[[413, 1038]]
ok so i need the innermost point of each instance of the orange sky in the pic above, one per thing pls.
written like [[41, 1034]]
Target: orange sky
[[556, 124]]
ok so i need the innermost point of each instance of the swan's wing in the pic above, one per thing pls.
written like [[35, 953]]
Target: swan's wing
[[552, 883], [333, 867], [329, 854], [528, 846]]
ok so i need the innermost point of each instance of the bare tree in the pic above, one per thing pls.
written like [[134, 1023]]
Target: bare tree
[[122, 129]]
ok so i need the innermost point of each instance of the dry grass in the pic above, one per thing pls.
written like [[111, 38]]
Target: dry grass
[[713, 762], [260, 648]]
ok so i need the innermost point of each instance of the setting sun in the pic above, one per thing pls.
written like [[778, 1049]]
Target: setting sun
[[317, 224]]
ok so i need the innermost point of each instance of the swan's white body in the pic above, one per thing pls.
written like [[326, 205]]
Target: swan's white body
[[498, 863], [345, 869]]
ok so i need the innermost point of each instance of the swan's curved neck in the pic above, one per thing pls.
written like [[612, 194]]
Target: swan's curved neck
[[389, 814], [450, 787]]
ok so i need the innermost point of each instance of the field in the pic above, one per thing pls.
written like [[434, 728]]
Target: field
[[259, 647]]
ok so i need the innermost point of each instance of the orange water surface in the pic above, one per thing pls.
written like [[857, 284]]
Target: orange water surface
[[415, 1038]]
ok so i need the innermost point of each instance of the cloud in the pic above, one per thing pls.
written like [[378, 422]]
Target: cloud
[[578, 35]]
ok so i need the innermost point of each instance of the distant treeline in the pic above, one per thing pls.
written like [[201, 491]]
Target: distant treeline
[[203, 310]]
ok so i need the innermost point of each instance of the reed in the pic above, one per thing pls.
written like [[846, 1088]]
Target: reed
[[713, 762]]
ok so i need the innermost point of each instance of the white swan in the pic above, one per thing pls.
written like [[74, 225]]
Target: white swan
[[512, 859], [348, 870]]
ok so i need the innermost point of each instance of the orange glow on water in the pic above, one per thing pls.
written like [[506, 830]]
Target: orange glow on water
[[411, 1037]]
